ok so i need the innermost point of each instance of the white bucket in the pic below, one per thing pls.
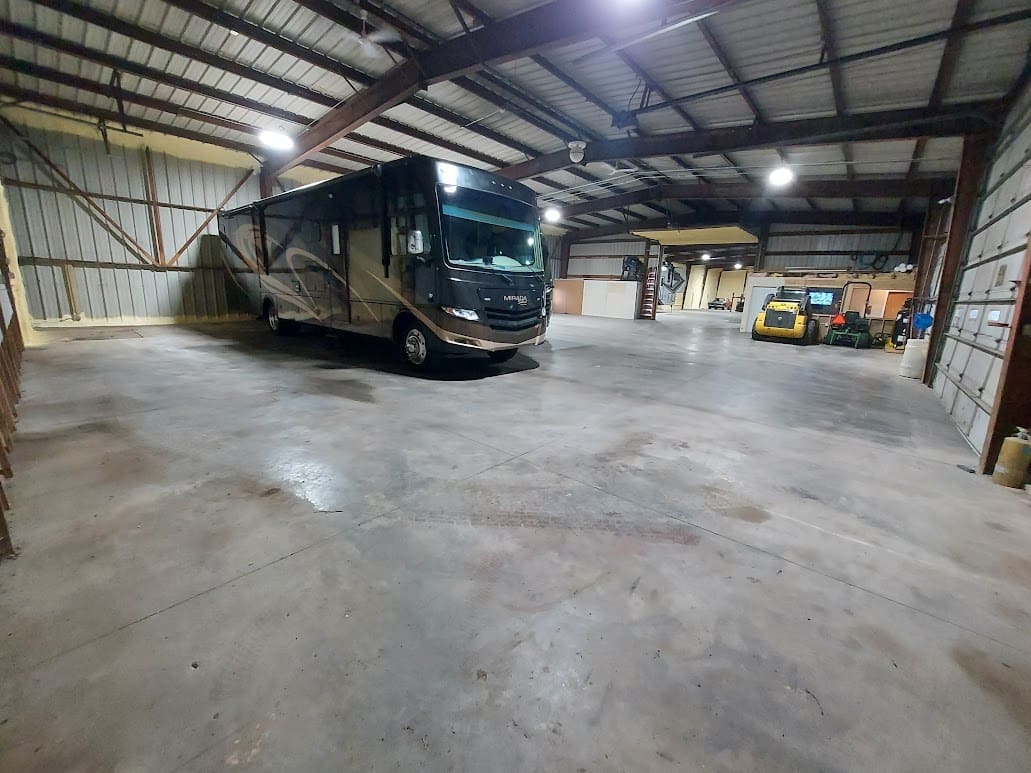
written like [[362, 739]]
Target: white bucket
[[913, 358]]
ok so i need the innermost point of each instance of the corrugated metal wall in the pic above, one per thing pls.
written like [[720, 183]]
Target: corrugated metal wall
[[830, 247], [602, 259], [77, 267], [967, 372]]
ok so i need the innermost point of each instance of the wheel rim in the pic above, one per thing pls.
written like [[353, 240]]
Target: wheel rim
[[273, 318], [415, 347]]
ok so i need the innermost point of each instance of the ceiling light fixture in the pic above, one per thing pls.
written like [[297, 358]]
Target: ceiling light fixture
[[781, 176], [577, 151], [552, 214], [234, 33], [706, 256], [738, 266], [275, 140]]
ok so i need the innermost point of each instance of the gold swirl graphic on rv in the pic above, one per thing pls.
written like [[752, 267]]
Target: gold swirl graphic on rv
[[247, 234]]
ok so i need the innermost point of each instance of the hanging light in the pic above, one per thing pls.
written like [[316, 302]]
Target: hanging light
[[781, 176], [275, 140]]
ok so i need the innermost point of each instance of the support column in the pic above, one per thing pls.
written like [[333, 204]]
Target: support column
[[964, 200], [764, 239], [266, 181], [563, 265]]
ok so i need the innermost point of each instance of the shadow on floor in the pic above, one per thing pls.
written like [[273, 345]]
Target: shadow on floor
[[336, 350]]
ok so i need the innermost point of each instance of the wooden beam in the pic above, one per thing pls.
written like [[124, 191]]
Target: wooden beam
[[948, 121]]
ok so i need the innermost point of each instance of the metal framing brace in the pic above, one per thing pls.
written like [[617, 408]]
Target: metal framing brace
[[949, 121], [91, 206], [830, 50], [756, 220], [903, 45], [200, 229], [556, 23], [113, 24], [824, 189], [946, 69]]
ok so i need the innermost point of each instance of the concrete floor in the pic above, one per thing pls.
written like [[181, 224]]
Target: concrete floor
[[643, 546]]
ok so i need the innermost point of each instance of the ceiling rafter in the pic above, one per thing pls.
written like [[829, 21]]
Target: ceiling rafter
[[728, 66], [280, 43], [824, 189], [947, 121], [514, 37], [649, 80], [167, 78], [757, 219], [483, 19], [122, 27], [1005, 19], [164, 77], [946, 69], [113, 117], [412, 29], [830, 50], [153, 103], [538, 113]]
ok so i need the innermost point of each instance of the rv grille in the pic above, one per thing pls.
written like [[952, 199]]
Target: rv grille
[[516, 319]]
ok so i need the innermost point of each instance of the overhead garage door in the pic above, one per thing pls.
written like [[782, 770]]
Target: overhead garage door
[[968, 370]]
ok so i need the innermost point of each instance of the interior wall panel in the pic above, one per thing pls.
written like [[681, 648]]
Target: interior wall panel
[[77, 267]]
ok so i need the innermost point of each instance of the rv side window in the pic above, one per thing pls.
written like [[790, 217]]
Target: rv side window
[[335, 234]]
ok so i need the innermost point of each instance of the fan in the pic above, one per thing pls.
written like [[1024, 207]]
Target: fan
[[371, 40]]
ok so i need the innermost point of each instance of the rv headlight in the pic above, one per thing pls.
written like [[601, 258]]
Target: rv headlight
[[470, 314]]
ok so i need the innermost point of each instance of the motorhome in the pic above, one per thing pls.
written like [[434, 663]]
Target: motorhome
[[434, 256]]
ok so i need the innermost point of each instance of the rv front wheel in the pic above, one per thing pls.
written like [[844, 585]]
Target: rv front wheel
[[415, 347]]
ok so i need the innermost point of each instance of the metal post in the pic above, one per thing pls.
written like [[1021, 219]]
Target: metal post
[[968, 184]]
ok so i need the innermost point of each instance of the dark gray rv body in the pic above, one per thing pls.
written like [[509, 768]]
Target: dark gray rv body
[[421, 244]]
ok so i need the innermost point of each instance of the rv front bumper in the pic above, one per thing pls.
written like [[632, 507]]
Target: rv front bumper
[[469, 342]]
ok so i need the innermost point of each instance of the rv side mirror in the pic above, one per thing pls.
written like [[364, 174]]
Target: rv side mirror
[[415, 243]]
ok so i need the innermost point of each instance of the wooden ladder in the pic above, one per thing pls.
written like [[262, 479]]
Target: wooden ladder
[[649, 298]]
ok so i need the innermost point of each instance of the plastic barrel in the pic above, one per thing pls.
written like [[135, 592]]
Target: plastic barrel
[[913, 358]]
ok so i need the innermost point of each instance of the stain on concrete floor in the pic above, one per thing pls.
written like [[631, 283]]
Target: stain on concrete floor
[[652, 567]]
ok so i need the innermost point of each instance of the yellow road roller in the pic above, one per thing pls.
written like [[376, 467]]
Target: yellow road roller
[[787, 316]]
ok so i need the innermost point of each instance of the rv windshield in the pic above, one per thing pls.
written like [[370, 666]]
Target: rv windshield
[[486, 231]]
